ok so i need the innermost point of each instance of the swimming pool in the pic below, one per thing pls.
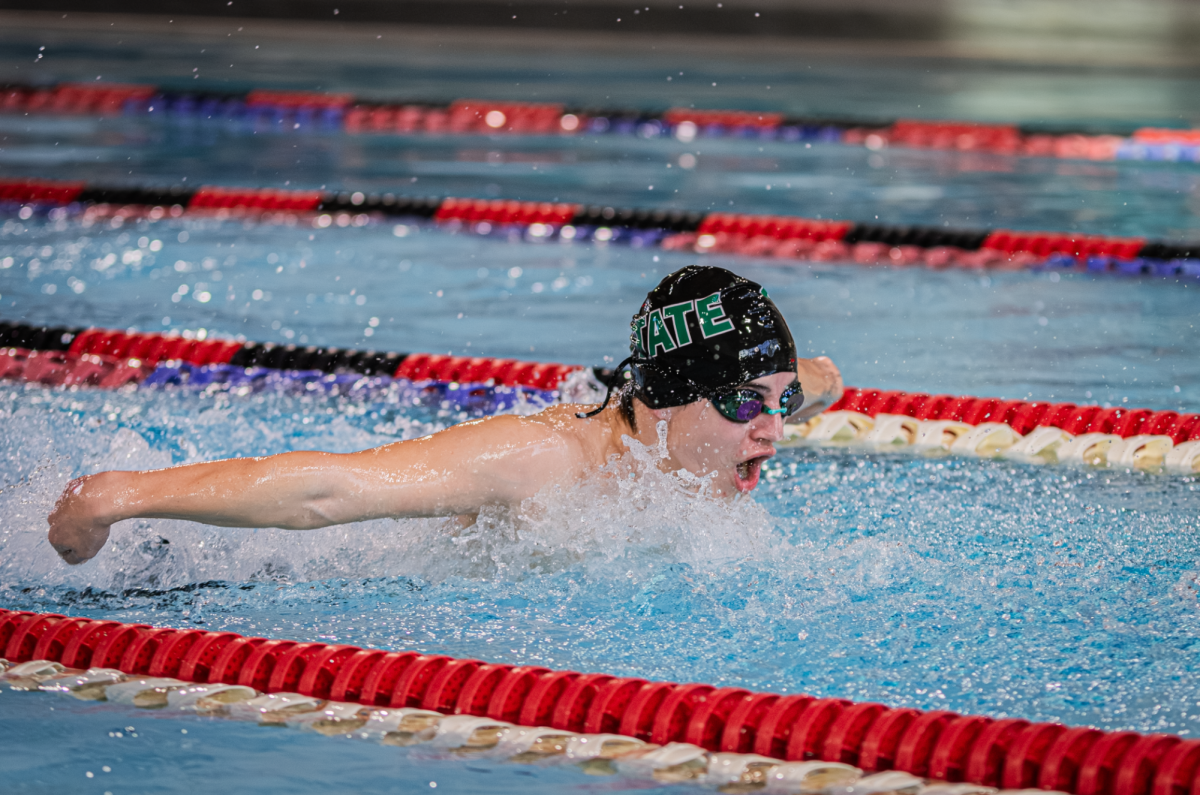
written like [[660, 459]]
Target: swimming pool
[[978, 586]]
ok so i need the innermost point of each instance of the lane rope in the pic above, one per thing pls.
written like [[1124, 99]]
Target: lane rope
[[699, 727], [303, 111], [889, 420], [780, 237]]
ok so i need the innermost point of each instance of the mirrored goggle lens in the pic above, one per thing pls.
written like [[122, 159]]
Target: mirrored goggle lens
[[740, 406], [747, 404], [792, 399]]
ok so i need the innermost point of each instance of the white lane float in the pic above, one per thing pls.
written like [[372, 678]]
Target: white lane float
[[672, 763], [738, 771], [595, 754], [1090, 449], [893, 782], [1184, 459], [212, 699], [275, 709], [1041, 446], [939, 436], [892, 431], [89, 685], [942, 788], [469, 734], [986, 440], [583, 747], [30, 675], [831, 427], [811, 776], [145, 692], [401, 726], [525, 744], [333, 719]]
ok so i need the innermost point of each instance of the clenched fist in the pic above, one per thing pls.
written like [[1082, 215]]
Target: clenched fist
[[77, 531], [822, 382]]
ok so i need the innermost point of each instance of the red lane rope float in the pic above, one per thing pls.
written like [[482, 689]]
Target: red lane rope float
[[750, 235], [506, 212], [105, 358], [267, 200], [265, 98], [1021, 415], [100, 99], [295, 110], [1007, 139], [724, 119], [1010, 753], [31, 191]]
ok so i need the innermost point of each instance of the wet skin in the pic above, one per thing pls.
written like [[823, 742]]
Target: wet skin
[[454, 472]]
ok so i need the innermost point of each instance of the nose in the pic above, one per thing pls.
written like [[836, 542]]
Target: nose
[[767, 427]]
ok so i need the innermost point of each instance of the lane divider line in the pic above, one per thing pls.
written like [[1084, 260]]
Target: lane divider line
[[1035, 432], [672, 732], [262, 110], [779, 237]]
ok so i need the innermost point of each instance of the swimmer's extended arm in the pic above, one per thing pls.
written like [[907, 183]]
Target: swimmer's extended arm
[[822, 383], [498, 461]]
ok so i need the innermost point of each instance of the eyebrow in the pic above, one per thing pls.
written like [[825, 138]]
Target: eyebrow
[[764, 390]]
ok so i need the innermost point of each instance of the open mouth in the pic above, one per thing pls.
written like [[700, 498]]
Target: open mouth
[[748, 472]]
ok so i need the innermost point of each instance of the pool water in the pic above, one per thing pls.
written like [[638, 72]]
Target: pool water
[[979, 586]]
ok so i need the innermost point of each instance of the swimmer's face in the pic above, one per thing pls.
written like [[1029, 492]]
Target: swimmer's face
[[701, 441]]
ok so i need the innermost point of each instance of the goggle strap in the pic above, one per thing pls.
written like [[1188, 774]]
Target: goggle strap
[[581, 415]]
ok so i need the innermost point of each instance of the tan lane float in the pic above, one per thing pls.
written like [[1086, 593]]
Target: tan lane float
[[1031, 432]]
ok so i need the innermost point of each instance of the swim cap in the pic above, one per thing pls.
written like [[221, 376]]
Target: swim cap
[[702, 330]]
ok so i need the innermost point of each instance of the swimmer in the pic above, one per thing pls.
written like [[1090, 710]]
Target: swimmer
[[712, 361]]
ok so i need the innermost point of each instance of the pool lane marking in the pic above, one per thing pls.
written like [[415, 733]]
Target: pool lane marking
[[1032, 431], [935, 744], [762, 236], [307, 111]]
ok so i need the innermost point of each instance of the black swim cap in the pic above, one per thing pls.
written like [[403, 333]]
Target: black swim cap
[[704, 330]]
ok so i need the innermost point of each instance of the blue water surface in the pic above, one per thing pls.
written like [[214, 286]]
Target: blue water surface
[[979, 586]]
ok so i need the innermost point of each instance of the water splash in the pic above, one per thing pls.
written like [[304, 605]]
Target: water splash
[[646, 512]]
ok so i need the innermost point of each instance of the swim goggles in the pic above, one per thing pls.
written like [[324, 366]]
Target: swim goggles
[[743, 405]]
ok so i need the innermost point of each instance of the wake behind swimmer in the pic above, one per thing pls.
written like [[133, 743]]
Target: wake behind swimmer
[[711, 358]]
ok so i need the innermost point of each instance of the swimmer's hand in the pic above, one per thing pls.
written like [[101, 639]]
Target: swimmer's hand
[[77, 529], [822, 382]]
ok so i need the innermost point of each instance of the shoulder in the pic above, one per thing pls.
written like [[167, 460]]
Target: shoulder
[[556, 428], [517, 456], [559, 430], [551, 433]]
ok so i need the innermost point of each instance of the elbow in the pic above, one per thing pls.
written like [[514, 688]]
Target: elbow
[[311, 515]]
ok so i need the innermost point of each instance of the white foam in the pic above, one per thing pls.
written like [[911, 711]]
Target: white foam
[[628, 509]]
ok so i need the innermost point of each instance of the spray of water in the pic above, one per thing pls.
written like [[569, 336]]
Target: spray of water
[[628, 511]]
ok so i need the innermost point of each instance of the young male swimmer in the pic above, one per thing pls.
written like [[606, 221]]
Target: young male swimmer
[[711, 357]]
